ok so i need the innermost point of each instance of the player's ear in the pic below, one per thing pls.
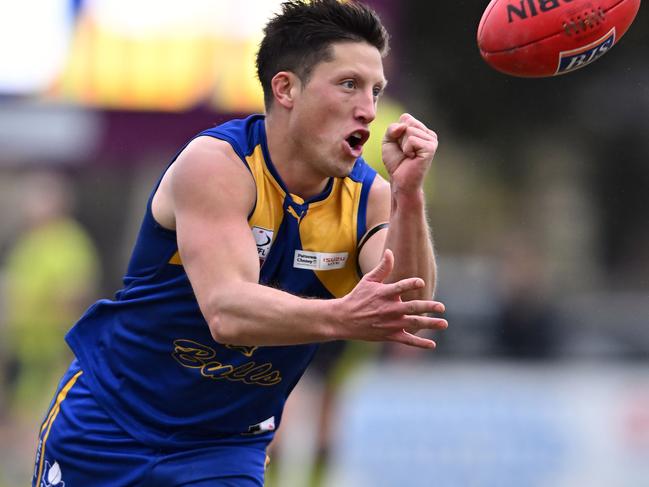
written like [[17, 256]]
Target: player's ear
[[285, 86]]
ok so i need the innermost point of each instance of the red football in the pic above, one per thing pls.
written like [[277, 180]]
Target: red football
[[536, 38]]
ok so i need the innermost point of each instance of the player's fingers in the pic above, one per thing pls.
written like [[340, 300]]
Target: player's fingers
[[421, 306], [406, 118], [383, 269], [413, 124], [403, 286], [394, 132], [412, 145], [417, 132], [414, 323], [413, 150], [411, 340]]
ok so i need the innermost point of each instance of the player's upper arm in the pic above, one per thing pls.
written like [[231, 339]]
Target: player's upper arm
[[378, 215], [212, 192]]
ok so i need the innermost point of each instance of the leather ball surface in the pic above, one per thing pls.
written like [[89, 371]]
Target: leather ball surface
[[540, 38]]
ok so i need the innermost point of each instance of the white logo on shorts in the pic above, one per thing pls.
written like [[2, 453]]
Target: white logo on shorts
[[52, 477]]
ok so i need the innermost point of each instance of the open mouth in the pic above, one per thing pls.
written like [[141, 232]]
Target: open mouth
[[357, 138]]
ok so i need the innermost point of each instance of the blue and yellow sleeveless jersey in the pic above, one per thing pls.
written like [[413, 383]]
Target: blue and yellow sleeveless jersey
[[148, 355]]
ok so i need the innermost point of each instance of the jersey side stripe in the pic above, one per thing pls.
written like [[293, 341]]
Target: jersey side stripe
[[50, 420]]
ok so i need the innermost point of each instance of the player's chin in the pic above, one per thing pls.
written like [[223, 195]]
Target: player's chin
[[344, 169], [347, 163]]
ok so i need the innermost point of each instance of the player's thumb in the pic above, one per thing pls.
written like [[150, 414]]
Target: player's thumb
[[383, 269]]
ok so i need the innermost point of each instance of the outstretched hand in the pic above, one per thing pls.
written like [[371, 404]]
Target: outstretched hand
[[374, 311]]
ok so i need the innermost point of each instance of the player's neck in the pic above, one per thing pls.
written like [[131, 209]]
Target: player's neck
[[299, 177]]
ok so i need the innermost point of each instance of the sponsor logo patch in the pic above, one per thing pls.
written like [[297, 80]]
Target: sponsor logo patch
[[578, 58], [320, 261], [266, 425]]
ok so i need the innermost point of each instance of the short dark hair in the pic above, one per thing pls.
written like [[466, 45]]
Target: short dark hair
[[301, 36]]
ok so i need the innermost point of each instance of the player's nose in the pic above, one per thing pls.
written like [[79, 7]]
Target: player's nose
[[365, 107]]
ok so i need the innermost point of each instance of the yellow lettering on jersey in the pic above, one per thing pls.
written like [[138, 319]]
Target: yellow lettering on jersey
[[191, 354], [247, 351]]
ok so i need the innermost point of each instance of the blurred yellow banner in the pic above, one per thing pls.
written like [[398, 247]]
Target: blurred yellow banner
[[148, 55]]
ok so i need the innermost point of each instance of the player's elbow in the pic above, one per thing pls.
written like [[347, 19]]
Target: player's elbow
[[227, 331], [221, 331]]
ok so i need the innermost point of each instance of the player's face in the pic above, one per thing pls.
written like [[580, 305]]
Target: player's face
[[335, 107]]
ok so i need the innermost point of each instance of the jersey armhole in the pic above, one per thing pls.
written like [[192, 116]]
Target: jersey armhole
[[206, 133]]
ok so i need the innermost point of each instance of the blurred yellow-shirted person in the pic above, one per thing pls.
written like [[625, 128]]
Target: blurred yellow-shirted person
[[51, 275]]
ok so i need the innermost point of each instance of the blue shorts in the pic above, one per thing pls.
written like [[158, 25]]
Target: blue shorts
[[80, 445]]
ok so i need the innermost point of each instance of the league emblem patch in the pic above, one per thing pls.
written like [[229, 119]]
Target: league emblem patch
[[264, 240]]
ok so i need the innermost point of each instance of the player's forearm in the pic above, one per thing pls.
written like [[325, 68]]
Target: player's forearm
[[252, 314], [409, 237]]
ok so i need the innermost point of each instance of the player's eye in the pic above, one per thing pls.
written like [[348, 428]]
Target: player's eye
[[350, 84]]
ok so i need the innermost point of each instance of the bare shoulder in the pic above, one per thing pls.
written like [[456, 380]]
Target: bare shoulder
[[207, 172], [207, 164]]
